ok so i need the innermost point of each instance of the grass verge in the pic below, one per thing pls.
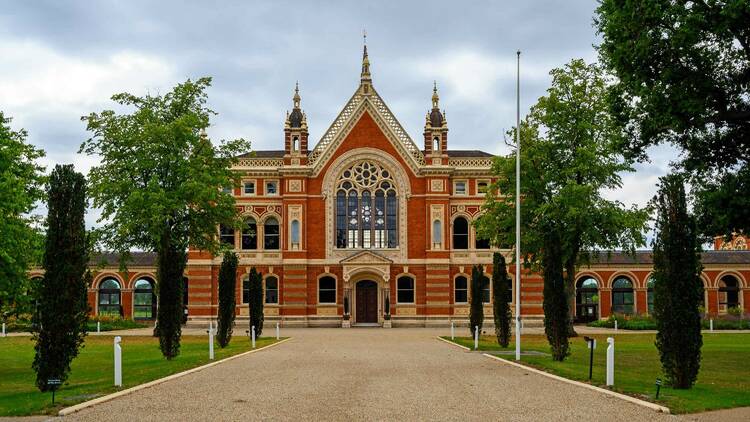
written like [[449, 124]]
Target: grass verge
[[723, 381], [91, 373]]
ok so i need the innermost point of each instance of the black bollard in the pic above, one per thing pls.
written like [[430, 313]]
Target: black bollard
[[658, 387], [590, 342]]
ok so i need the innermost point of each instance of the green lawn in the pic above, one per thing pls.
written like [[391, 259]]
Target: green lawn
[[723, 381], [92, 371]]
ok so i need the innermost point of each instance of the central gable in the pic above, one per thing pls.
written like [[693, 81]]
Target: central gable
[[360, 112]]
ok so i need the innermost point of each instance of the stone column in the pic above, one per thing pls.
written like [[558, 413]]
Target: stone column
[[387, 307], [346, 321]]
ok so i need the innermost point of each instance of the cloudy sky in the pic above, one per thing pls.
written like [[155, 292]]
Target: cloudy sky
[[64, 59]]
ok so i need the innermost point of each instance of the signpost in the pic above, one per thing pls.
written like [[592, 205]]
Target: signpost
[[55, 384], [592, 345], [658, 387]]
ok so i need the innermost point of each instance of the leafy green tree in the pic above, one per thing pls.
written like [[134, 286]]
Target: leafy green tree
[[683, 77], [227, 301], [556, 318], [570, 156], [159, 186], [60, 324], [476, 307], [678, 291], [21, 187], [501, 292], [255, 303]]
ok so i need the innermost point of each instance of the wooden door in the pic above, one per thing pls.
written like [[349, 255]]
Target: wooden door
[[367, 302]]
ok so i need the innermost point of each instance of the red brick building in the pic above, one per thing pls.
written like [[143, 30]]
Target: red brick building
[[365, 227]]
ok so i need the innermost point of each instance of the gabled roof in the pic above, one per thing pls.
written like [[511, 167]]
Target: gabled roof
[[365, 100]]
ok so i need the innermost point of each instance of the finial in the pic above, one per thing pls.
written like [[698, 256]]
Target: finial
[[435, 97], [296, 97], [365, 60]]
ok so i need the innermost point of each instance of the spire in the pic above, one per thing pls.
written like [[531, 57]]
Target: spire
[[435, 118], [435, 96], [365, 60], [296, 118], [296, 97]]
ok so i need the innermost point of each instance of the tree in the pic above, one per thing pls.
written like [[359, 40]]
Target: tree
[[159, 186], [256, 301], [683, 77], [476, 310], [570, 156], [556, 318], [21, 187], [227, 301], [501, 292], [678, 291], [60, 324]]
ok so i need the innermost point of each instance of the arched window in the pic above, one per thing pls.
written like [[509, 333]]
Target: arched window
[[366, 208], [295, 234], [405, 289], [650, 295], [144, 299], [295, 143], [461, 286], [587, 299], [622, 296], [437, 234], [436, 144], [245, 290], [485, 290], [272, 290], [460, 233], [226, 235], [481, 243], [271, 234], [327, 290], [109, 298], [729, 293], [250, 234]]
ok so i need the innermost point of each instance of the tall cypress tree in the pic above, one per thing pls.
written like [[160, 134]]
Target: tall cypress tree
[[555, 299], [256, 301], [227, 301], [678, 291], [60, 323], [172, 260], [476, 310], [501, 293]]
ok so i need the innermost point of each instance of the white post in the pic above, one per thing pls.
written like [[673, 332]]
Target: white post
[[610, 361], [118, 362], [518, 206], [98, 326], [3, 329], [453, 331], [211, 343], [615, 324], [278, 336], [253, 336], [476, 337], [710, 324]]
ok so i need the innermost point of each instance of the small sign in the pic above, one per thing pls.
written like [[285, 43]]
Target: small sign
[[591, 343], [54, 381]]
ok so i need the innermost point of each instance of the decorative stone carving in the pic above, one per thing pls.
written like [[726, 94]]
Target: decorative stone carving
[[437, 185], [295, 185], [366, 261]]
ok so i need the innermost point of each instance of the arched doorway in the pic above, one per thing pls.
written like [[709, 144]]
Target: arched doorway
[[587, 300], [144, 299], [366, 302]]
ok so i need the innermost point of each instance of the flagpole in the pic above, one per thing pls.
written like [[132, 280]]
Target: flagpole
[[518, 205]]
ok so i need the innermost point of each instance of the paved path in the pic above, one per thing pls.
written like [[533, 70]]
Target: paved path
[[366, 374]]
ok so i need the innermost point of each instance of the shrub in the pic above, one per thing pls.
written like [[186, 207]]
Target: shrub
[[556, 318], [60, 324], [227, 301], [171, 267], [256, 301]]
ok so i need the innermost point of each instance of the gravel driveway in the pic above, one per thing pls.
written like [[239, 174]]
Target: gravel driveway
[[366, 374]]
